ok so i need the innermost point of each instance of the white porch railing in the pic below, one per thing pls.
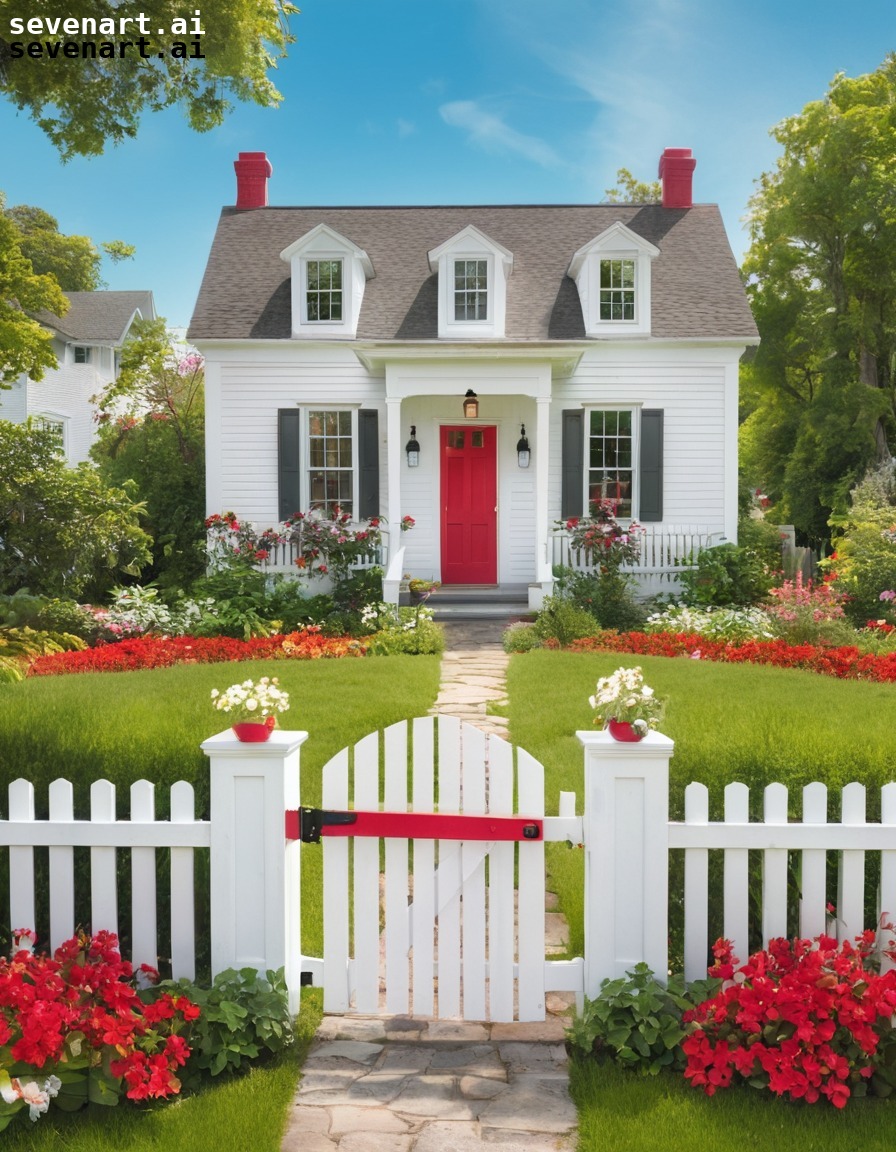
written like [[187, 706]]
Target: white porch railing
[[665, 551], [282, 558]]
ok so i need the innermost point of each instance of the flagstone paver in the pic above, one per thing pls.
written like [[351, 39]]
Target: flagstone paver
[[403, 1084]]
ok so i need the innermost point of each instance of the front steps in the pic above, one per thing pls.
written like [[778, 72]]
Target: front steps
[[461, 602]]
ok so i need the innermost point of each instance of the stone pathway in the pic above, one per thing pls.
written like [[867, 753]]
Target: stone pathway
[[402, 1084]]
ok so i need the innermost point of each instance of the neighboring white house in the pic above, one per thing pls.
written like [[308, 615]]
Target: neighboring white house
[[87, 341], [605, 338]]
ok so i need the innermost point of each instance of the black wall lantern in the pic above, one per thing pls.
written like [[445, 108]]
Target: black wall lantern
[[523, 454], [471, 405], [413, 448]]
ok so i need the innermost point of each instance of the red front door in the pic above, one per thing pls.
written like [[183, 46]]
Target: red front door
[[469, 505]]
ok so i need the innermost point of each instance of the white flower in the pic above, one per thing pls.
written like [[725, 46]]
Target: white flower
[[37, 1099]]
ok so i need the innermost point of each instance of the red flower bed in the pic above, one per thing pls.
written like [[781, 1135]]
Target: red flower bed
[[846, 663], [149, 652]]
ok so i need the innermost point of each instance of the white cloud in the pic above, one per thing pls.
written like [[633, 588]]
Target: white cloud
[[488, 131], [405, 127]]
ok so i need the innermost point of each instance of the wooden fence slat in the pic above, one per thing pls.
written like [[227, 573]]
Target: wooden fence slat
[[774, 868], [886, 899], [62, 866], [696, 888], [22, 911], [500, 886], [183, 897], [530, 910], [395, 799], [850, 908], [103, 890], [736, 881], [423, 928], [813, 875], [473, 752], [450, 872], [144, 927], [337, 992], [366, 857]]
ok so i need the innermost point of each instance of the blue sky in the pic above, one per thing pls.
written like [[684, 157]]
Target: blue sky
[[461, 101]]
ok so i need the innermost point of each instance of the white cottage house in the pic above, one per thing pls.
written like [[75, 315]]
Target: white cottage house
[[483, 369], [87, 341]]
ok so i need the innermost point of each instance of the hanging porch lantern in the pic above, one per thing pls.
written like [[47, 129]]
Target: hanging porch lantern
[[471, 405], [523, 454], [412, 448]]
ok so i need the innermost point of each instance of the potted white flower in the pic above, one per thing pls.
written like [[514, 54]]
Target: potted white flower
[[252, 707], [626, 706]]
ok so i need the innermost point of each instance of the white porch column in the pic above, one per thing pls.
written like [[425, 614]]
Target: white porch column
[[542, 468], [255, 871], [393, 470], [626, 832]]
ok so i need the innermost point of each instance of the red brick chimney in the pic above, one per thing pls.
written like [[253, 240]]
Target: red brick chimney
[[676, 172], [252, 172]]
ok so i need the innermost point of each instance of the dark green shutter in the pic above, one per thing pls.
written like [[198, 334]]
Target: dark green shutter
[[368, 463], [651, 468], [572, 463], [289, 495]]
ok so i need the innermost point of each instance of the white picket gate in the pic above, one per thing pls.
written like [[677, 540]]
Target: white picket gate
[[448, 944]]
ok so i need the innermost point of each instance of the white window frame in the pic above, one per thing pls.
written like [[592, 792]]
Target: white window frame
[[465, 293], [617, 242], [635, 410], [88, 354], [54, 421], [308, 467], [320, 258], [325, 243]]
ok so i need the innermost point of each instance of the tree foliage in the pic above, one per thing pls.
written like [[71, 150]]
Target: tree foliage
[[630, 190], [25, 346], [86, 103], [152, 434], [73, 260], [821, 273], [63, 532]]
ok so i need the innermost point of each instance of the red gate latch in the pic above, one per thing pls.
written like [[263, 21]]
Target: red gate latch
[[309, 824]]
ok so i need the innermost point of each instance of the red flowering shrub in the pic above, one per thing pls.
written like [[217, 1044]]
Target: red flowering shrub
[[76, 1022], [846, 663], [806, 1019], [163, 652]]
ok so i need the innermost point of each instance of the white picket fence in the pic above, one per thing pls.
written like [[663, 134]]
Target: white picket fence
[[665, 550], [448, 944]]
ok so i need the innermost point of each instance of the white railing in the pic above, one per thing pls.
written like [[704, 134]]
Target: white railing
[[282, 558], [665, 550]]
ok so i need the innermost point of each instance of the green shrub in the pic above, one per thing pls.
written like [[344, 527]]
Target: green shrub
[[242, 1016], [414, 633], [609, 597], [563, 621], [637, 1022], [727, 574], [520, 637], [865, 560]]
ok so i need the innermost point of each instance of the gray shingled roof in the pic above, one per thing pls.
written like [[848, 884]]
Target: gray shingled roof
[[99, 317], [696, 287]]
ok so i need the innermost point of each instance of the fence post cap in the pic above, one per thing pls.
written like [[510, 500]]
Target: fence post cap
[[281, 742], [653, 744]]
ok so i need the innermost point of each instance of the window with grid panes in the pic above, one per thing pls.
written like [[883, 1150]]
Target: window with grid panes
[[471, 289], [617, 290], [323, 289], [610, 460], [330, 474]]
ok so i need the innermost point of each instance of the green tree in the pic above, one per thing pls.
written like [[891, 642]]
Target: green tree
[[73, 260], [821, 273], [86, 103], [628, 190], [152, 434], [25, 346], [63, 532]]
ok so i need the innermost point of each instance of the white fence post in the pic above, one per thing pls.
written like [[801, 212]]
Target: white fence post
[[255, 878], [626, 836]]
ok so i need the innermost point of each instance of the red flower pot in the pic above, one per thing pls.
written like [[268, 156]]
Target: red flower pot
[[254, 731], [623, 731]]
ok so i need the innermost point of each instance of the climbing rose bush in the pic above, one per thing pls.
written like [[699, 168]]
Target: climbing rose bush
[[806, 1019], [73, 1028]]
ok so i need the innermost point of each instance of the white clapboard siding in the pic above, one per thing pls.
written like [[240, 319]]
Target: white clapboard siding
[[810, 839], [105, 836], [443, 926]]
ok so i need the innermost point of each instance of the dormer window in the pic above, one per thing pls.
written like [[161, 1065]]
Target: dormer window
[[329, 274], [323, 290], [472, 271], [612, 274]]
